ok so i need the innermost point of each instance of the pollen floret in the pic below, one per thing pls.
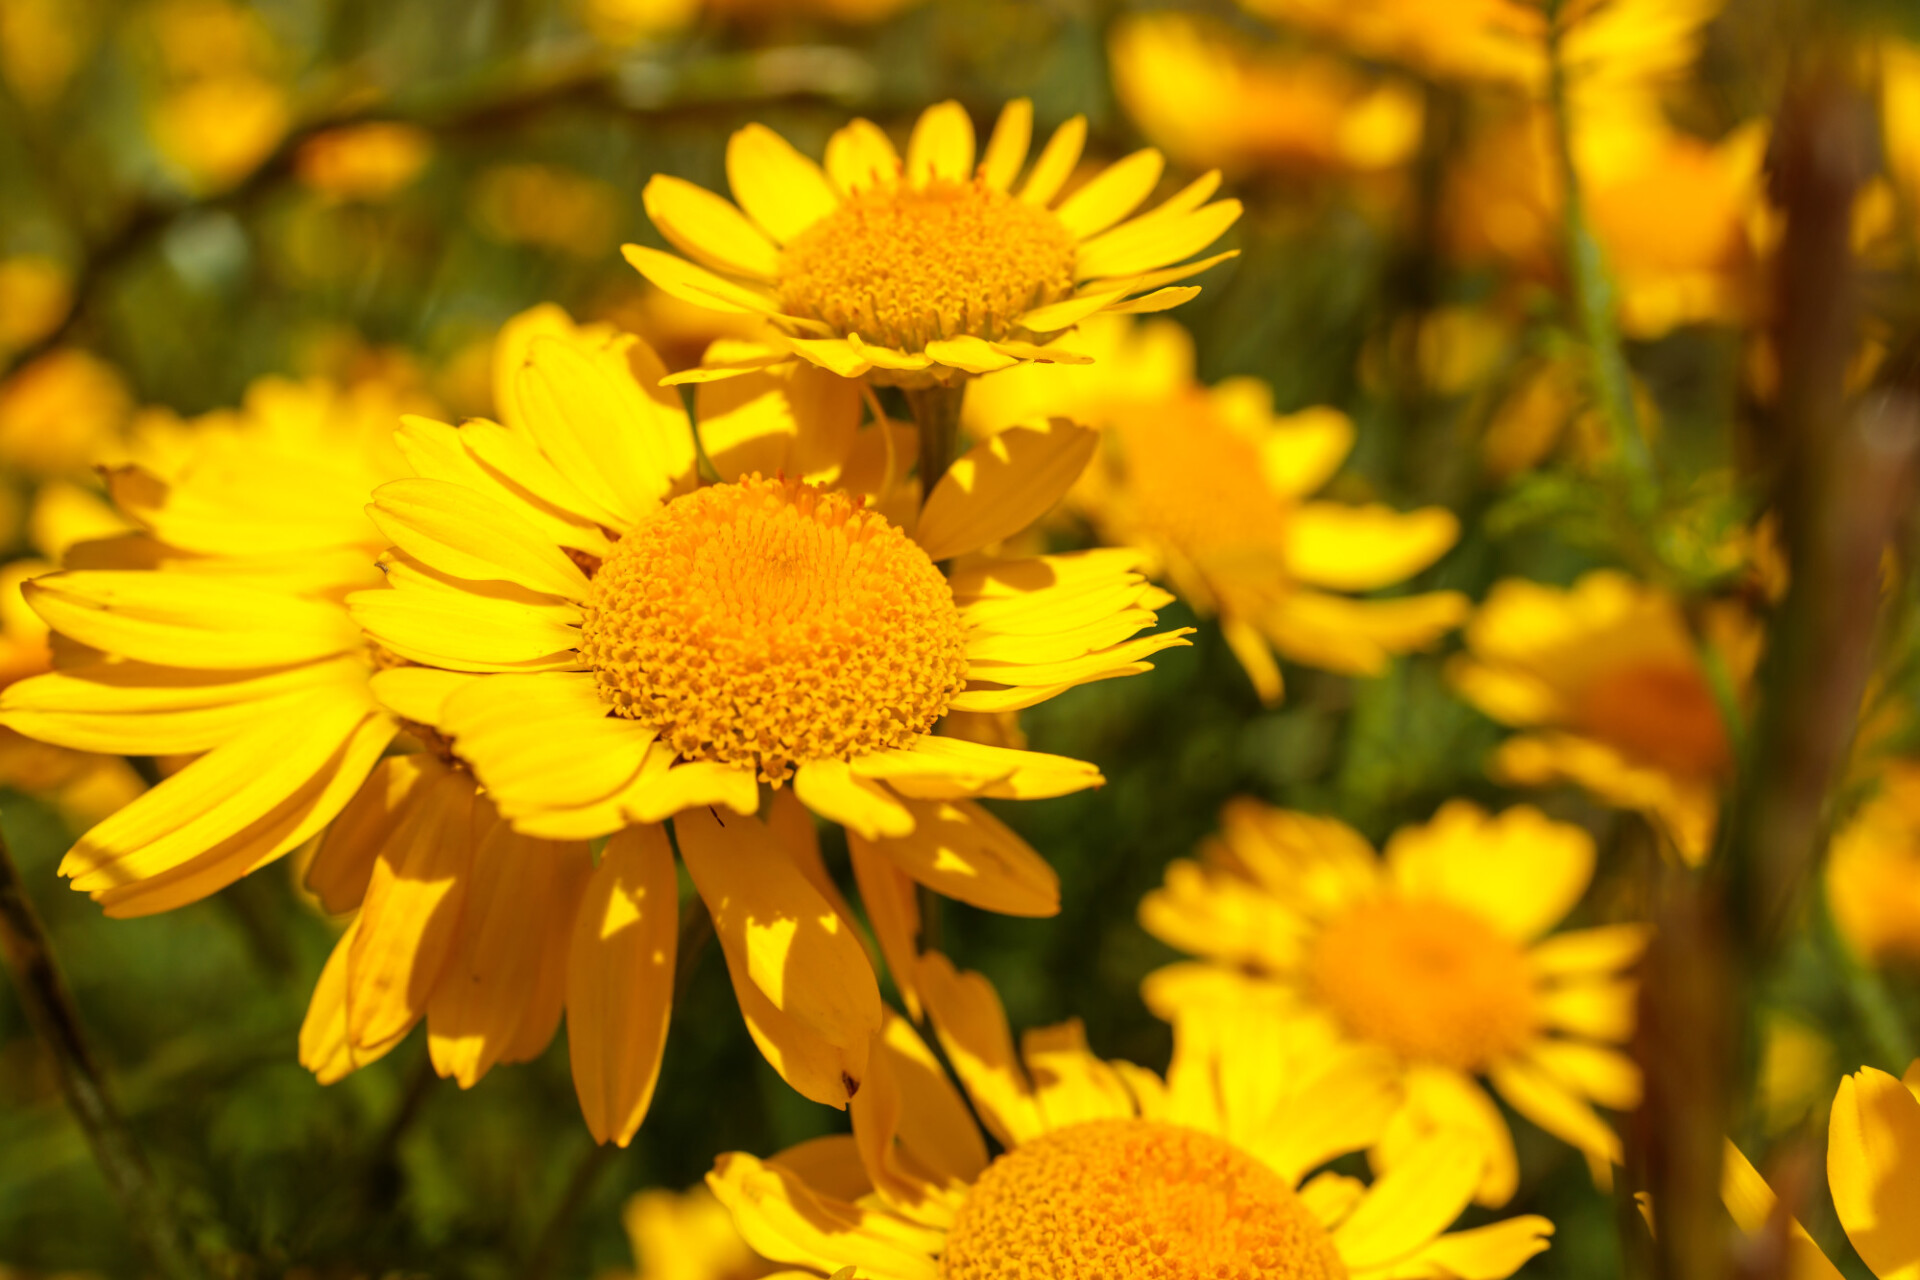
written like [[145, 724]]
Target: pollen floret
[[906, 266], [1136, 1198], [772, 622]]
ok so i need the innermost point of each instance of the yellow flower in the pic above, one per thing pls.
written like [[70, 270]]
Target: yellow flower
[[35, 296], [1873, 870], [604, 642], [687, 1235], [924, 272], [1499, 40], [1208, 100], [363, 162], [1609, 685], [1213, 488], [1437, 954], [61, 412], [548, 206], [1109, 1170]]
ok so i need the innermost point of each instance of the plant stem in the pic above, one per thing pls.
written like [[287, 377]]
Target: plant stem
[[1593, 294], [50, 1010], [555, 1236], [936, 411]]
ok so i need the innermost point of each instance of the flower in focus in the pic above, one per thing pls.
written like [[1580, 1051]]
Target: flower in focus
[[1497, 40], [1610, 688], [1873, 870], [926, 271], [686, 1235], [1208, 101], [1108, 1169], [1439, 953], [61, 412], [365, 161], [605, 641], [1213, 488]]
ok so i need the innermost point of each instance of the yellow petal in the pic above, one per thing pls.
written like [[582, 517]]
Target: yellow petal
[[471, 535], [619, 988], [468, 631], [1007, 148], [1116, 192], [1873, 1164], [186, 620], [1549, 1104], [836, 355], [1002, 485], [782, 939], [1360, 548], [1301, 451], [698, 784], [797, 421], [941, 146], [344, 861], [1598, 1010], [893, 910], [1492, 1252], [959, 849], [780, 189], [324, 1049], [971, 1025], [1607, 1076], [860, 155], [704, 226], [1071, 1084], [411, 914], [782, 1218], [544, 740], [418, 694], [1158, 300], [935, 1125], [1359, 637], [830, 789], [1519, 871], [1606, 949], [1056, 162], [1149, 243], [1056, 316], [975, 355], [697, 285], [1411, 1203]]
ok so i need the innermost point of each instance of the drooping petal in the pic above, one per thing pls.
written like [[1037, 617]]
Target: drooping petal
[[1002, 485], [959, 849], [971, 1026], [893, 909], [1149, 243], [782, 1218], [1873, 1165], [324, 1048], [544, 740], [344, 861]]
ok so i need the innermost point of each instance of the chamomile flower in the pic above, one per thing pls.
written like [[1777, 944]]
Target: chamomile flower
[[924, 271], [1437, 953]]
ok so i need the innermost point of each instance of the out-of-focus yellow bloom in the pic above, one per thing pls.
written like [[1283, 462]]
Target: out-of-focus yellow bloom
[[1209, 100], [1108, 1169], [550, 207], [1439, 954], [1550, 406], [1796, 1070], [1900, 115], [35, 295], [1608, 684], [364, 162], [1214, 488], [930, 270], [625, 21], [1475, 39], [42, 43], [686, 1235], [60, 413], [1873, 870], [218, 109]]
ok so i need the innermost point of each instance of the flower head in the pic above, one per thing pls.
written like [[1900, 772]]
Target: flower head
[[1436, 954], [1609, 687], [1109, 1169], [926, 271], [1214, 489], [1873, 870]]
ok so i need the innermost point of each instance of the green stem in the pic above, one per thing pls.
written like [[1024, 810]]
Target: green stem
[[559, 1230], [936, 412], [1593, 296], [50, 1010]]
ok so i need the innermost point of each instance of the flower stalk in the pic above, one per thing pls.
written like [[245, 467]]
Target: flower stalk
[[936, 412]]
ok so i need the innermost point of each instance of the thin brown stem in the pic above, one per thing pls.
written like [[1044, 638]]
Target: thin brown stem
[[51, 1012], [936, 412]]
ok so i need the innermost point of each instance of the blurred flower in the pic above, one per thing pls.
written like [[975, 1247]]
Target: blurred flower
[[218, 109], [686, 1235], [42, 43], [365, 161], [1873, 870], [1796, 1069], [35, 295], [1437, 954], [605, 641], [1212, 486], [1608, 682], [928, 272], [678, 330], [622, 22], [61, 412], [547, 206], [1110, 1170], [1900, 115], [1500, 40], [1550, 407], [1209, 100]]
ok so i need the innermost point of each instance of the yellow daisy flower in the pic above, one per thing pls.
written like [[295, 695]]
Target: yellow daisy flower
[[1107, 1168], [923, 272], [1607, 681], [1215, 489], [1437, 953]]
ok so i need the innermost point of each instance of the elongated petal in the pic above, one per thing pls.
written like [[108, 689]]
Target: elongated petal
[[704, 226], [1360, 548], [189, 621], [893, 909], [324, 1049], [470, 535], [1603, 950], [797, 420], [1007, 148], [343, 863], [1147, 244], [959, 849], [941, 146], [831, 789], [1873, 1164], [1411, 1204], [544, 740], [971, 1025], [1116, 192], [620, 981], [467, 631], [782, 1218], [860, 155], [1520, 871], [1002, 485], [1551, 1105], [780, 189], [783, 940], [1056, 162], [696, 284], [1492, 1252]]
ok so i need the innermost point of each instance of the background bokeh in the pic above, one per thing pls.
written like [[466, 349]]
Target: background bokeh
[[195, 193]]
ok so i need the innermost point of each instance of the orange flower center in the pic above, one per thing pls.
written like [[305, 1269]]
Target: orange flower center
[[1660, 712], [903, 267], [1429, 980], [1136, 1199], [771, 622]]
